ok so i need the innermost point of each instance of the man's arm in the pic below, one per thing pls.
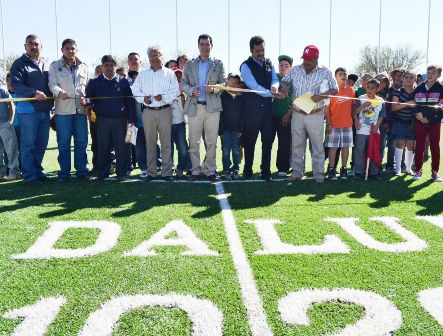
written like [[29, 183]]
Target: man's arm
[[173, 92], [251, 83], [18, 79], [136, 88]]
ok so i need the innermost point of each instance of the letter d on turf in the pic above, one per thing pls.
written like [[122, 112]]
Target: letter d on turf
[[44, 248]]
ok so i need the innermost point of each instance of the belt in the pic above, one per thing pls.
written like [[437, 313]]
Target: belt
[[312, 112], [201, 102], [157, 107]]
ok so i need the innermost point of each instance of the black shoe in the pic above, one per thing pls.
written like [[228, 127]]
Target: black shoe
[[192, 178], [266, 178], [83, 177], [63, 179], [214, 178], [332, 174], [149, 178], [246, 176], [121, 178], [358, 177], [375, 177], [167, 178], [43, 178], [343, 173]]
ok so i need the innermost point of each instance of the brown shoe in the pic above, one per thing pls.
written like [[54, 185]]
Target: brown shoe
[[193, 178]]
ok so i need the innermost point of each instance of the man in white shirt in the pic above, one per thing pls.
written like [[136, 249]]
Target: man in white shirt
[[156, 88]]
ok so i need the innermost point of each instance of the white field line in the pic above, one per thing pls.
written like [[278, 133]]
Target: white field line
[[254, 306]]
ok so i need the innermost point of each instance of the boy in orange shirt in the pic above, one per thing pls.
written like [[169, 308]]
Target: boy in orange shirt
[[338, 116]]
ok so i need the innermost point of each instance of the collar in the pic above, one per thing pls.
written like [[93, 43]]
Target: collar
[[116, 78], [32, 60], [201, 61], [257, 61], [77, 62]]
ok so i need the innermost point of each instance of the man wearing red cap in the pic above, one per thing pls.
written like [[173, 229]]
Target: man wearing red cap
[[317, 79]]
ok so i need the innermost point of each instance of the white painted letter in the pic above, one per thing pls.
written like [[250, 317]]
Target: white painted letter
[[43, 248], [185, 237], [272, 243], [432, 301], [411, 243], [436, 220], [36, 317], [381, 316], [206, 318]]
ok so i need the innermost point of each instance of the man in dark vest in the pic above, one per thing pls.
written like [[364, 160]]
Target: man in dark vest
[[258, 74]]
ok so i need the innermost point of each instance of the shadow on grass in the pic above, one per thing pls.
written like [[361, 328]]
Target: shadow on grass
[[125, 199], [375, 194]]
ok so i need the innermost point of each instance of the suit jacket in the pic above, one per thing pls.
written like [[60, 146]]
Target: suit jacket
[[216, 75]]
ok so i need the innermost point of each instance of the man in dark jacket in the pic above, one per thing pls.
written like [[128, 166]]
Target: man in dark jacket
[[29, 77], [113, 116]]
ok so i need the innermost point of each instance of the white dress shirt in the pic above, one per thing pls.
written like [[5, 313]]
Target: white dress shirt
[[150, 83]]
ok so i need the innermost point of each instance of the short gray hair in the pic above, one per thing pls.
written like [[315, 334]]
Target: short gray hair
[[155, 48]]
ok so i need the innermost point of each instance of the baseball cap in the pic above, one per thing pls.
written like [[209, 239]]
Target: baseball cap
[[310, 52]]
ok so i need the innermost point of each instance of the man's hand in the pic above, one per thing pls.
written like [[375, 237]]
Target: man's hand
[[424, 120], [83, 101], [367, 104], [158, 97], [279, 95], [147, 100], [63, 95], [209, 89], [196, 92], [317, 98], [374, 129], [286, 119], [357, 124], [40, 95], [419, 116], [274, 90]]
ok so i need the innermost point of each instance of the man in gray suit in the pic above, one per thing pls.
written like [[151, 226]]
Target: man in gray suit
[[203, 106]]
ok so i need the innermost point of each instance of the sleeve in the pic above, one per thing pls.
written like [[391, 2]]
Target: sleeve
[[53, 83], [136, 89], [382, 113], [242, 115], [275, 82], [172, 93], [332, 83], [222, 74], [288, 78], [251, 83], [90, 91], [186, 86], [18, 79], [356, 105]]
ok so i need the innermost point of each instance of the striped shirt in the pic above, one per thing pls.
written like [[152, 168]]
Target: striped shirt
[[407, 114], [303, 83], [150, 83]]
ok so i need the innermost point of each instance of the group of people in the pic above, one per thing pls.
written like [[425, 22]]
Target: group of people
[[162, 99]]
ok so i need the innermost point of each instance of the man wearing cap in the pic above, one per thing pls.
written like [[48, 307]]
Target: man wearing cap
[[281, 117], [317, 79], [258, 74]]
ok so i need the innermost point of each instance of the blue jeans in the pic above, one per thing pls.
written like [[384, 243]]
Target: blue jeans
[[230, 143], [140, 149], [76, 126], [34, 137], [178, 136]]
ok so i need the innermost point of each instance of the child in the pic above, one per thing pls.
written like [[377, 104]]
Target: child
[[428, 120], [178, 133], [339, 121], [403, 132], [230, 129], [367, 118], [8, 139]]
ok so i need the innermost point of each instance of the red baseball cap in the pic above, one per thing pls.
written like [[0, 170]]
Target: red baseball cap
[[310, 52]]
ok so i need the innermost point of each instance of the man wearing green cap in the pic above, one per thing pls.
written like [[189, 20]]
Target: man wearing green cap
[[281, 115]]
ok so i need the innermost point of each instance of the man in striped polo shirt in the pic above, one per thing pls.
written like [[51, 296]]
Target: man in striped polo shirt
[[317, 79]]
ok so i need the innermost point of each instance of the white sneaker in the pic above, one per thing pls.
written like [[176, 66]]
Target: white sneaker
[[144, 174], [398, 173], [417, 176], [436, 177], [410, 172]]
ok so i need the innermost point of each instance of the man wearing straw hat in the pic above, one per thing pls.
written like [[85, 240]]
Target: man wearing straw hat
[[29, 76]]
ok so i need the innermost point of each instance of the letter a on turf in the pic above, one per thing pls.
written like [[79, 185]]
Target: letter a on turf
[[185, 237], [44, 248]]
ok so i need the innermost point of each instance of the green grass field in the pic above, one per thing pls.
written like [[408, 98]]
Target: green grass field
[[249, 263]]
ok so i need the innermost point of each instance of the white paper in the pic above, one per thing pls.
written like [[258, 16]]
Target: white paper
[[304, 102]]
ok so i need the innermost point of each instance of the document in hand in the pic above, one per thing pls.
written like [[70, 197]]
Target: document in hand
[[304, 102], [131, 134]]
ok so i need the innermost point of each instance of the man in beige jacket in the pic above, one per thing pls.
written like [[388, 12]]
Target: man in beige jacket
[[203, 106], [67, 81]]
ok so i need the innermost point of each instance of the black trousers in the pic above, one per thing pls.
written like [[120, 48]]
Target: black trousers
[[284, 144], [257, 120], [93, 132], [111, 134]]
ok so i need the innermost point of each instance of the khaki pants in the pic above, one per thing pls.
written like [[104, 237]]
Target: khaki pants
[[207, 122], [303, 126], [158, 121]]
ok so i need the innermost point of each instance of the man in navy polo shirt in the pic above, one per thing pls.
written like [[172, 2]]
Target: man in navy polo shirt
[[113, 116]]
